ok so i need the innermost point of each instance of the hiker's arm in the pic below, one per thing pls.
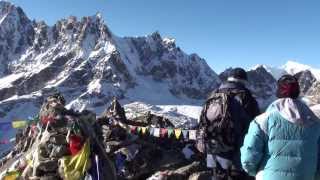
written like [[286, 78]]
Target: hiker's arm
[[253, 148]]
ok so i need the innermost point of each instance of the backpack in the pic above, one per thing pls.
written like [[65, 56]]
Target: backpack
[[223, 121]]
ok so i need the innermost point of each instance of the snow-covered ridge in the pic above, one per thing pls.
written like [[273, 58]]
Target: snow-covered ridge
[[276, 72], [293, 67], [90, 65], [290, 67], [186, 116]]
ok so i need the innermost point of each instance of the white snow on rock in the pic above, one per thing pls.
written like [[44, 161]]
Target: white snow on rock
[[90, 65], [6, 81], [276, 72], [186, 116], [291, 67]]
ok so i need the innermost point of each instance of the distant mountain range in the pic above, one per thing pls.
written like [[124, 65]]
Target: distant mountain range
[[85, 61], [291, 67]]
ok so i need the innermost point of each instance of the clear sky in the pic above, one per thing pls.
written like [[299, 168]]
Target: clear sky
[[226, 33]]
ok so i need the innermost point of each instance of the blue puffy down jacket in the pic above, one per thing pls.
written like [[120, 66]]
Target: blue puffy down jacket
[[283, 143]]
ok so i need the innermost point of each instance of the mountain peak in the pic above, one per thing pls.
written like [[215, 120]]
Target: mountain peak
[[258, 66], [293, 67], [99, 15], [7, 8], [83, 53]]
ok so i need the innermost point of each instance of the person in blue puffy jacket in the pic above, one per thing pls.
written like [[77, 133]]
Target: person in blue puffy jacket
[[282, 143]]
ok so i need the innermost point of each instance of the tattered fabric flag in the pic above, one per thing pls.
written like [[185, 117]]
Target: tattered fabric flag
[[4, 141], [170, 132], [210, 161], [156, 132], [185, 134], [163, 132], [97, 165], [177, 132], [33, 120], [75, 144], [151, 130], [143, 130], [193, 134], [47, 119], [19, 124], [12, 175], [75, 167], [133, 129], [138, 129]]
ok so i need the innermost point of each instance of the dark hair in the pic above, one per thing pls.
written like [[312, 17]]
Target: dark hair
[[288, 87], [239, 73]]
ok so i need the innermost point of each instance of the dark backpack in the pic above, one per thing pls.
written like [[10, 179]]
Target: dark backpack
[[223, 123]]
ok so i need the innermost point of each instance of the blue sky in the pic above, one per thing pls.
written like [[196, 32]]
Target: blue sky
[[226, 33]]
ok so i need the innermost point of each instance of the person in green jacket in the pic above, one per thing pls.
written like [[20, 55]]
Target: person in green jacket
[[283, 142]]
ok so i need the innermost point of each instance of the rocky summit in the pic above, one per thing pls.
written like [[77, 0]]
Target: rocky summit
[[89, 64]]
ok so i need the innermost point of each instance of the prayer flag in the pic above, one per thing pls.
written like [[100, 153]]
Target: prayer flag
[[163, 132], [177, 133], [19, 124], [193, 134], [185, 134], [170, 132], [156, 132], [143, 130]]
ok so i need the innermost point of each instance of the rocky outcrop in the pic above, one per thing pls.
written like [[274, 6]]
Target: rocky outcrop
[[306, 80]]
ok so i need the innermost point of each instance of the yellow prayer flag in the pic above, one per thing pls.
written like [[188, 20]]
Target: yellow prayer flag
[[177, 132], [19, 124], [144, 129], [75, 166], [13, 175]]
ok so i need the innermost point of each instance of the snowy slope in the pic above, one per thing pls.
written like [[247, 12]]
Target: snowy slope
[[186, 116], [90, 65], [293, 67]]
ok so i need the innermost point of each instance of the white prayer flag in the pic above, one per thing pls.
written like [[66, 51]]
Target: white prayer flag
[[210, 161], [156, 132], [193, 134]]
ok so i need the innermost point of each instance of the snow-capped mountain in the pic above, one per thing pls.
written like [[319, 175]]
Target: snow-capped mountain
[[291, 67], [309, 78], [89, 64], [276, 72], [261, 83]]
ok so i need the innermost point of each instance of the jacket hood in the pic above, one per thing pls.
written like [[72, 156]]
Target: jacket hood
[[294, 111]]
